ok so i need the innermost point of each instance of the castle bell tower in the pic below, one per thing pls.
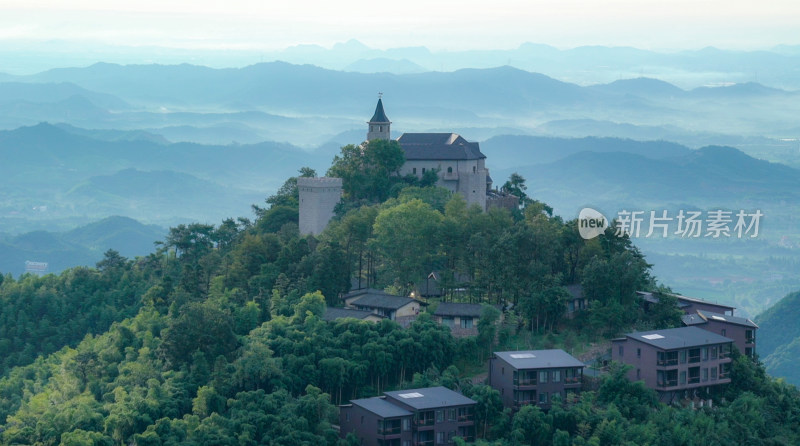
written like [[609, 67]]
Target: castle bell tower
[[379, 124]]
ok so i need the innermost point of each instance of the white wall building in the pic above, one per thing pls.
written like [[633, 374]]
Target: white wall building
[[460, 164]]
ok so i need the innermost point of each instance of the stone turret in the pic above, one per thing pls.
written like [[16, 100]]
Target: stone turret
[[379, 125], [318, 197]]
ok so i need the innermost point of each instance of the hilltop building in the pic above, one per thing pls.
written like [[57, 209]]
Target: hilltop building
[[402, 310], [318, 198], [688, 305], [740, 329], [534, 376], [685, 362], [427, 416], [460, 163]]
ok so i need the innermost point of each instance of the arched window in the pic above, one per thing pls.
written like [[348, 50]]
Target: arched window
[[449, 170]]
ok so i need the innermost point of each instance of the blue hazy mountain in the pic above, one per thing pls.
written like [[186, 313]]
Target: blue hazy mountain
[[779, 338], [84, 245]]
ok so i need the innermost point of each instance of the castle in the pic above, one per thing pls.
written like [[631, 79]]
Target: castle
[[459, 163]]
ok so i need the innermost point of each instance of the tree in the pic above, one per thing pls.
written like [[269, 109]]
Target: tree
[[407, 236], [516, 186], [368, 171]]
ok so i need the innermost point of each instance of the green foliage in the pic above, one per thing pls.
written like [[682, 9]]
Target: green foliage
[[368, 172], [406, 236], [218, 338]]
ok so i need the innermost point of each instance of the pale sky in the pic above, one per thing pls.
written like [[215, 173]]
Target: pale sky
[[437, 24]]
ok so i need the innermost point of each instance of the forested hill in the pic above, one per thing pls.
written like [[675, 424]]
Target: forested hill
[[217, 337], [779, 337]]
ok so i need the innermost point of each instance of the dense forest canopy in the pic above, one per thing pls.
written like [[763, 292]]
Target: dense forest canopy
[[218, 336]]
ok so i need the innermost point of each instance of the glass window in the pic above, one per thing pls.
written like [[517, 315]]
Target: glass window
[[439, 437], [414, 171], [451, 415], [543, 398], [724, 332], [638, 353], [714, 352], [439, 416], [466, 322], [683, 356], [713, 374], [621, 351], [705, 374], [704, 353], [683, 377], [556, 376], [406, 424], [543, 376]]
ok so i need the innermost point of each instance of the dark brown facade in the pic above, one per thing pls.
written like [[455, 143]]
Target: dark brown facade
[[534, 377], [417, 417], [678, 363], [689, 305], [741, 330]]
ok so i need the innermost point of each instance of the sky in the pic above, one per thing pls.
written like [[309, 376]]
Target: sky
[[439, 24]]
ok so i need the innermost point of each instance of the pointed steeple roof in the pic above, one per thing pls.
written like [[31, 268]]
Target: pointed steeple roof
[[380, 115]]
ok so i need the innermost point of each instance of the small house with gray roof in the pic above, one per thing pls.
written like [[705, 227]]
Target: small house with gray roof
[[401, 309], [332, 314], [535, 377], [740, 329], [688, 304], [461, 318], [678, 363], [427, 416]]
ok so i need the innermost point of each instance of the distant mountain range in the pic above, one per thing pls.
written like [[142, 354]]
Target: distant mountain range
[[84, 245], [309, 105], [53, 173], [584, 65]]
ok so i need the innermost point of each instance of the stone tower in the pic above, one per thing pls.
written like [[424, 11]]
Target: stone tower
[[318, 197], [379, 124]]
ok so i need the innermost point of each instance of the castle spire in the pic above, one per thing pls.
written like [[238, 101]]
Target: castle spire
[[379, 125]]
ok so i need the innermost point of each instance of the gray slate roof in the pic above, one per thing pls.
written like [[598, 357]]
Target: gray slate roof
[[386, 301], [332, 314], [673, 338], [702, 317], [379, 115], [439, 146], [576, 290], [458, 309], [683, 301], [379, 406], [542, 359], [431, 397], [653, 299]]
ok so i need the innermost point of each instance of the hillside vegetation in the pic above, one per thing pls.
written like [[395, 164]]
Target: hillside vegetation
[[218, 336]]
